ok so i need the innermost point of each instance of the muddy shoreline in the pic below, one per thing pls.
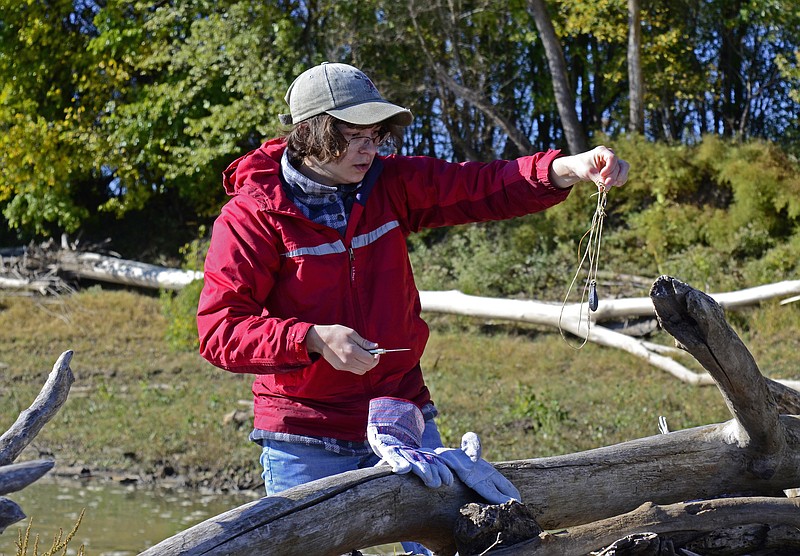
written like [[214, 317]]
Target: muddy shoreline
[[206, 481]]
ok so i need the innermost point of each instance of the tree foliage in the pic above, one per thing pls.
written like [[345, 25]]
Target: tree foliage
[[117, 113], [720, 213]]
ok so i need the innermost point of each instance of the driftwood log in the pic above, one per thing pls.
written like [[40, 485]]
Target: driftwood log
[[573, 319], [130, 273], [48, 268], [15, 477], [737, 471]]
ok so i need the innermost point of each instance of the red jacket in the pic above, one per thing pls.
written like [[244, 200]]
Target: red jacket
[[270, 274]]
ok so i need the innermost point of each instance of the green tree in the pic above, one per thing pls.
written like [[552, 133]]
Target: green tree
[[195, 83], [49, 180], [117, 112]]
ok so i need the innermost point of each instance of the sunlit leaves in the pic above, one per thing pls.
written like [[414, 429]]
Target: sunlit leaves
[[109, 107]]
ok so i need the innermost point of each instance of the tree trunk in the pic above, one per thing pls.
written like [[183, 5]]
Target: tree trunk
[[635, 84], [756, 454], [573, 132]]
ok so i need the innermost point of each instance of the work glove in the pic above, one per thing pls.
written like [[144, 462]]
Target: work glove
[[478, 474], [394, 431]]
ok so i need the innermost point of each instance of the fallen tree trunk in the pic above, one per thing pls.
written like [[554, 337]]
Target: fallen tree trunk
[[49, 269], [757, 453], [129, 273], [574, 319], [548, 314]]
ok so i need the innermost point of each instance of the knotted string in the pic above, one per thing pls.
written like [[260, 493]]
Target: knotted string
[[592, 254]]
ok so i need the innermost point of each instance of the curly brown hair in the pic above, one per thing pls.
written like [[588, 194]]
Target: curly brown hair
[[318, 137]]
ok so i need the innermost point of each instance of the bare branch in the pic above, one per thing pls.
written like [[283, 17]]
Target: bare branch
[[44, 407], [17, 476]]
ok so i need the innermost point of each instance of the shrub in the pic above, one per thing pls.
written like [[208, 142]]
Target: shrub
[[180, 310]]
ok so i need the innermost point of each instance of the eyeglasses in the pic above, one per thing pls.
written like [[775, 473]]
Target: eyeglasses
[[377, 139]]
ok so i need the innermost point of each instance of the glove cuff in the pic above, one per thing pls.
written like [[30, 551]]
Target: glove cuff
[[398, 418]]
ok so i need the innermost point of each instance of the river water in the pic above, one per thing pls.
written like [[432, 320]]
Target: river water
[[118, 521]]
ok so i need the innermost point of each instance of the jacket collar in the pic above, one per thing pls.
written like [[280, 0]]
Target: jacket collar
[[258, 173]]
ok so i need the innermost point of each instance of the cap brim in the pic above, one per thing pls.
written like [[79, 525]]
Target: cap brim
[[370, 113]]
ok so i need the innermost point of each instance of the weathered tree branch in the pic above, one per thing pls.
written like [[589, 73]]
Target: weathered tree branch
[[44, 407], [10, 513], [14, 478], [696, 321], [17, 476]]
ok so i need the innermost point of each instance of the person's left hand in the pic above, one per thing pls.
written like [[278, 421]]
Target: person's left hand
[[599, 165], [478, 474]]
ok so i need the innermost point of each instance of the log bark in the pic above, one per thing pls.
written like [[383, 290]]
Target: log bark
[[130, 273], [330, 516], [698, 526], [17, 476], [484, 527], [755, 454], [10, 513]]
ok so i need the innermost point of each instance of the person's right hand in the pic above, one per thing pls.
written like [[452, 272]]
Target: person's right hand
[[342, 347], [394, 431]]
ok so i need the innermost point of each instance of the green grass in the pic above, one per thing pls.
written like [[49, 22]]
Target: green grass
[[139, 406], [136, 405]]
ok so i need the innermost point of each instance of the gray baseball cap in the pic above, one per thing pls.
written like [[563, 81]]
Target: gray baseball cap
[[342, 91]]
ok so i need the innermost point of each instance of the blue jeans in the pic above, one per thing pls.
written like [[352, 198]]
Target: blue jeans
[[288, 464]]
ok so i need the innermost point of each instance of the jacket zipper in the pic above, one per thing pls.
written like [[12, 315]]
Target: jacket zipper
[[366, 380]]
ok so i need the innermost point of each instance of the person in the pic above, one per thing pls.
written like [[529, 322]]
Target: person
[[307, 272]]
